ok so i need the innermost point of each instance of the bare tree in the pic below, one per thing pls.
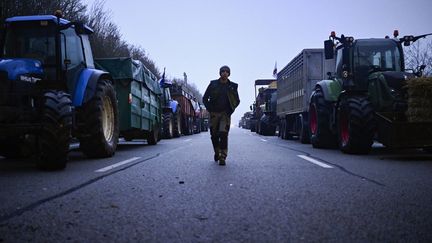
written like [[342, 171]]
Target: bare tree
[[191, 87], [419, 53], [106, 40], [137, 52]]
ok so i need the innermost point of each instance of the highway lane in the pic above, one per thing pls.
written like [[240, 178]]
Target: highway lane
[[270, 190]]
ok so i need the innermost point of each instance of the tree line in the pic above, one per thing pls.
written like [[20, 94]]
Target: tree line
[[106, 40]]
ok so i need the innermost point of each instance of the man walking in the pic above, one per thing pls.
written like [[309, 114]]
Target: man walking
[[221, 98]]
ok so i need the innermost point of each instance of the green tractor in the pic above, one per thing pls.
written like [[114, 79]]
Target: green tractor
[[366, 98]]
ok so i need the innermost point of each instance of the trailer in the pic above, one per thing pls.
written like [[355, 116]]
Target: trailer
[[138, 96], [185, 99], [296, 82]]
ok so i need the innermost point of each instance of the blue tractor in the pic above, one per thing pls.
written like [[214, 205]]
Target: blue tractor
[[50, 92]]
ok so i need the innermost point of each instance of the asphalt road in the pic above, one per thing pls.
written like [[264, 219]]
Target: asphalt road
[[271, 190]]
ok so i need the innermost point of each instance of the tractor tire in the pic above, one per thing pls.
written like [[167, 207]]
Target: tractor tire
[[153, 136], [304, 135], [177, 123], [55, 136], [356, 125], [168, 125], [100, 129], [320, 112]]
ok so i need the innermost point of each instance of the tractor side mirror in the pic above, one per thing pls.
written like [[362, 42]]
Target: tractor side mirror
[[79, 28], [328, 49]]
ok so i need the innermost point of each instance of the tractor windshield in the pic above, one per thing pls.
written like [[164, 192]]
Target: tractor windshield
[[376, 55], [30, 41]]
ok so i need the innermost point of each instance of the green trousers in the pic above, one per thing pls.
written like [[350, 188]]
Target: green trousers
[[220, 123]]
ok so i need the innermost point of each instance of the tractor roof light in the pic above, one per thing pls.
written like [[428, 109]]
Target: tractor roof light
[[58, 14], [333, 34]]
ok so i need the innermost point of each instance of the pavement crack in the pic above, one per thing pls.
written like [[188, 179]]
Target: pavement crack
[[34, 205]]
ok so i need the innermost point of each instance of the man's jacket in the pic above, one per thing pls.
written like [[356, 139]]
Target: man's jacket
[[214, 90]]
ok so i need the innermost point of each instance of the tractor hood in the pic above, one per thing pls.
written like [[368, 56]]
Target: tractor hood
[[18, 67]]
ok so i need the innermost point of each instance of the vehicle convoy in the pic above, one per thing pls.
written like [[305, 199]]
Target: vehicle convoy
[[51, 91], [366, 98], [264, 110], [201, 118], [245, 120], [296, 82], [171, 113], [185, 117], [139, 98]]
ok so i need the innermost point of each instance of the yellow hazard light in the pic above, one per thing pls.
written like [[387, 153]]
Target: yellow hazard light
[[58, 14], [396, 33], [333, 34]]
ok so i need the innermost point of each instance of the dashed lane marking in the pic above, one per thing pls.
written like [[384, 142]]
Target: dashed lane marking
[[187, 140], [263, 140], [312, 160], [117, 164]]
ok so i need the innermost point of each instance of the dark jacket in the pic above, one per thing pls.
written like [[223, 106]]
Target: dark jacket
[[213, 92]]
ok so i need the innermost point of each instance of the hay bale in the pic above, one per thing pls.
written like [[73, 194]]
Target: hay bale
[[419, 99]]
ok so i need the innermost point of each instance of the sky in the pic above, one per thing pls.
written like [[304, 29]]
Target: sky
[[199, 36]]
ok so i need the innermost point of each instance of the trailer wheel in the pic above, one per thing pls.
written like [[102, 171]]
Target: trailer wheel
[[428, 149], [54, 138], [304, 131], [14, 148], [100, 124], [282, 131], [319, 114], [168, 126], [152, 138], [356, 125], [177, 123]]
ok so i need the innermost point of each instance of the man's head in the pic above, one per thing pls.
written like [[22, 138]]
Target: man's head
[[224, 71]]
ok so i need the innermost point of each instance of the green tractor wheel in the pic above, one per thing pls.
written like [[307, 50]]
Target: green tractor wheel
[[319, 122], [356, 125], [99, 129]]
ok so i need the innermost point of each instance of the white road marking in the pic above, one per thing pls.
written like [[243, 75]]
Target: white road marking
[[315, 161], [263, 140], [187, 140], [117, 164]]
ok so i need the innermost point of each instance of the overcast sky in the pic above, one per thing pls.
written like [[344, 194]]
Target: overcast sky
[[199, 36]]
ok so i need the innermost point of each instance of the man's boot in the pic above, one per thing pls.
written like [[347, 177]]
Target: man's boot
[[222, 156], [216, 154]]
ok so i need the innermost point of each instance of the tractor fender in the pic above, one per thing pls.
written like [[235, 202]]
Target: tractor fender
[[173, 105], [330, 88], [86, 85]]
